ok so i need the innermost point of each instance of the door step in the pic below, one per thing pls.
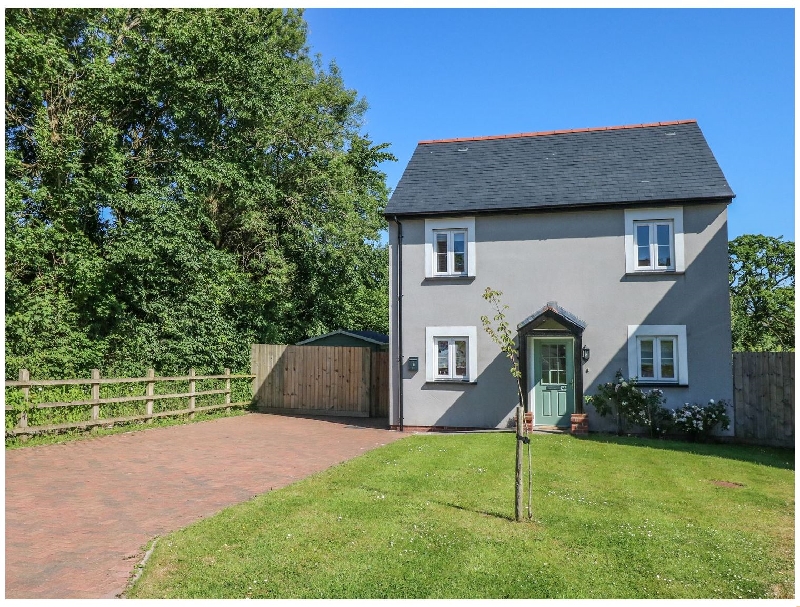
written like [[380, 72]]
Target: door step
[[545, 429], [550, 430]]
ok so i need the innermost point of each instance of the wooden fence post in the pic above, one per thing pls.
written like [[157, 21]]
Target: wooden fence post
[[95, 394], [150, 390], [192, 398], [227, 389], [24, 375]]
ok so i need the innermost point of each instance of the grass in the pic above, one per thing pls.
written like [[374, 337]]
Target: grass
[[431, 516]]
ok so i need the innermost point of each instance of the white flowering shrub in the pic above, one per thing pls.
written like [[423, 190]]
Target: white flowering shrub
[[632, 405], [652, 414], [700, 421]]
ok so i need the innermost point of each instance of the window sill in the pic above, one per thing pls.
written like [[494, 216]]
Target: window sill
[[661, 384], [450, 278], [655, 273], [451, 381]]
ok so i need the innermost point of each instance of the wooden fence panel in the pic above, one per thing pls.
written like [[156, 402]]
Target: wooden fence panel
[[763, 397], [289, 378], [336, 382], [739, 410], [380, 384], [373, 386], [365, 397], [323, 380]]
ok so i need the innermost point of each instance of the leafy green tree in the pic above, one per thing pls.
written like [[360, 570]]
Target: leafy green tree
[[179, 184], [762, 293]]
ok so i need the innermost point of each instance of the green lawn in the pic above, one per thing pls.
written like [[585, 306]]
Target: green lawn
[[431, 516]]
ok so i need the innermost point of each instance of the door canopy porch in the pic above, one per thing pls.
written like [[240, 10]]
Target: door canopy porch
[[552, 320]]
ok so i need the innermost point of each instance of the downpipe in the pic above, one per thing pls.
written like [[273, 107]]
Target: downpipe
[[400, 320]]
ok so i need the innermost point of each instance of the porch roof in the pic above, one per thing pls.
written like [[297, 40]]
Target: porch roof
[[551, 308]]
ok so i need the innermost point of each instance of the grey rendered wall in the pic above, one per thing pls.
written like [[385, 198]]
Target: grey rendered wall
[[578, 260]]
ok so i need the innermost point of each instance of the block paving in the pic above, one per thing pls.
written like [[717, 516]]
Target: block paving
[[78, 514]]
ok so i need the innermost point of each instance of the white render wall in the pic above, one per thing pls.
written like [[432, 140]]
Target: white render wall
[[576, 258]]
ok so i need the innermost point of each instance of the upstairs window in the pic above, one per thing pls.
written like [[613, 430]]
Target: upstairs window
[[450, 248], [450, 252], [654, 245], [654, 240]]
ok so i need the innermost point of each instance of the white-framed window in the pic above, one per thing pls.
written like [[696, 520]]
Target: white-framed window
[[657, 358], [654, 240], [450, 247], [451, 353], [654, 245], [451, 357], [657, 353], [449, 252]]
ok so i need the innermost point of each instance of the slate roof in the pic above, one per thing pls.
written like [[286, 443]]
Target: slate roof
[[552, 306], [371, 336], [659, 162]]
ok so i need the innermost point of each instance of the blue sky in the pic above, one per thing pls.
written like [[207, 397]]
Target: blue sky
[[431, 74]]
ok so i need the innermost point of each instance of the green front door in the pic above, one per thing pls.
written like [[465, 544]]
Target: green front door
[[553, 374]]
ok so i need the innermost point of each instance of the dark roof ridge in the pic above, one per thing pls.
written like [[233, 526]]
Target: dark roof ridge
[[562, 132]]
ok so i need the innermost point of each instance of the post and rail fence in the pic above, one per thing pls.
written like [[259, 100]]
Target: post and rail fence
[[24, 385], [323, 380]]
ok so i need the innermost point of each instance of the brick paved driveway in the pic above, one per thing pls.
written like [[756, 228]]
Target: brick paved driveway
[[78, 514]]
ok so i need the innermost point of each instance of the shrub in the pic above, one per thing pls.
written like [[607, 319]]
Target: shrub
[[651, 413], [632, 405], [699, 421]]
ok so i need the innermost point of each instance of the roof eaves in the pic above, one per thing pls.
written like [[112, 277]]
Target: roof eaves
[[563, 207]]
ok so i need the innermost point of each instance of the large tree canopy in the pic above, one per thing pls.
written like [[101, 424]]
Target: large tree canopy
[[180, 184], [762, 293]]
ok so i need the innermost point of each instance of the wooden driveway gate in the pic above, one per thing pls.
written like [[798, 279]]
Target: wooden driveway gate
[[320, 380]]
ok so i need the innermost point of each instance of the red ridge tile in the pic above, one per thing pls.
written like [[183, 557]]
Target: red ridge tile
[[558, 132]]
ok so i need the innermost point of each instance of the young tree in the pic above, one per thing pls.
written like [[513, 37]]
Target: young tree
[[502, 336], [762, 293]]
